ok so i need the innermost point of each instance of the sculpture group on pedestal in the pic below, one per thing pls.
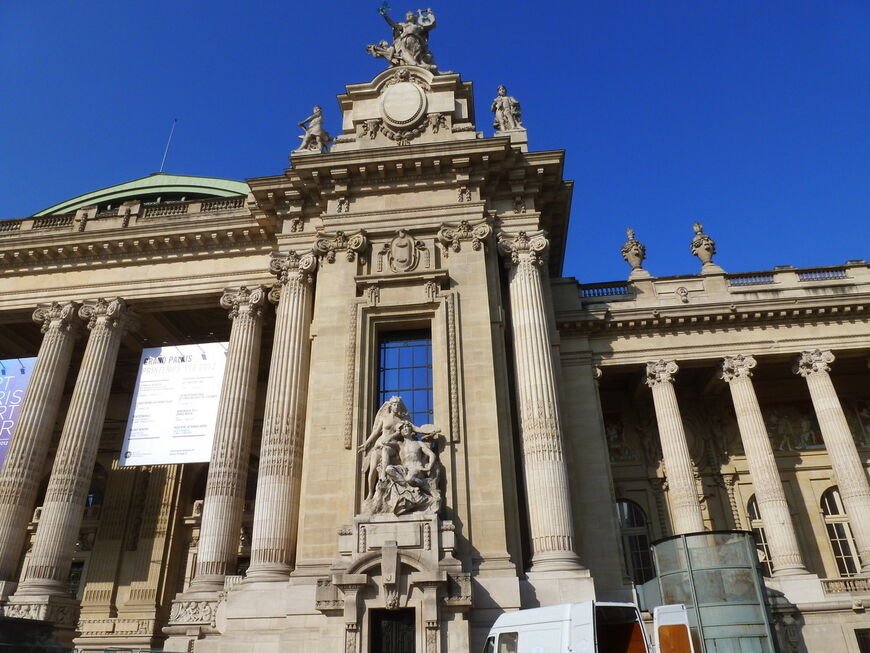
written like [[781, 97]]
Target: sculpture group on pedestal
[[410, 40], [400, 466]]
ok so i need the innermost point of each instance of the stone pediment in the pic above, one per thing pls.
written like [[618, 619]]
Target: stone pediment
[[406, 104]]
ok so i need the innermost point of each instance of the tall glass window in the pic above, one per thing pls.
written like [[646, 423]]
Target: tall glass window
[[760, 536], [405, 369], [839, 532], [635, 541]]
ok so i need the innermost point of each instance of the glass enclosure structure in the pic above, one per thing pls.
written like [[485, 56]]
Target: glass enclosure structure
[[715, 574]]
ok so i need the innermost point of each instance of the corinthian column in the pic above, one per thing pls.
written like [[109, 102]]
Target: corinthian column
[[846, 464], [682, 492], [49, 565], [277, 505], [25, 458], [784, 551], [228, 467], [546, 477]]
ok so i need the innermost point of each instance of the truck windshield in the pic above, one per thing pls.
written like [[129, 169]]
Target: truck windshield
[[618, 630]]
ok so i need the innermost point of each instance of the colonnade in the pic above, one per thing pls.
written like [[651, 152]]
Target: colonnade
[[846, 464], [44, 592]]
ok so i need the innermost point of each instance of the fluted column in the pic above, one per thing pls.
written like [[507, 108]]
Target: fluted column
[[846, 464], [781, 538], [25, 458], [682, 492], [276, 510], [546, 477], [228, 467], [64, 505]]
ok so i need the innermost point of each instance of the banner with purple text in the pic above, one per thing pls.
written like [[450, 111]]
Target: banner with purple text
[[14, 377]]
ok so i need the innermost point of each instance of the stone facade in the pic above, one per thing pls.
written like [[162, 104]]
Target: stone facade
[[413, 219]]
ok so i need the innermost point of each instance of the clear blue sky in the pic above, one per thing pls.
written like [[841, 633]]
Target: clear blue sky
[[750, 116]]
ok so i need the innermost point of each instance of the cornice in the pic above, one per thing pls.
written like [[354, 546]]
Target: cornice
[[717, 315], [131, 245]]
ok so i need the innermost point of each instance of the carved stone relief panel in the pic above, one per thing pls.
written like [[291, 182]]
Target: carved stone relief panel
[[403, 253]]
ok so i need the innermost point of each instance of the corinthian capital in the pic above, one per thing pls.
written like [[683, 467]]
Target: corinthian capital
[[292, 265], [109, 313], [810, 362], [451, 234], [353, 245], [735, 367], [524, 246], [660, 371], [244, 301], [58, 315]]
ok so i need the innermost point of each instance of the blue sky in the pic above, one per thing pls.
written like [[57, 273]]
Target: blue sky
[[750, 116]]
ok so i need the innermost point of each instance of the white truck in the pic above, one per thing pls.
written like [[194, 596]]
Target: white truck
[[590, 627]]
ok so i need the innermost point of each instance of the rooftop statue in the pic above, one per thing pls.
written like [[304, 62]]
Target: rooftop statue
[[316, 138], [507, 111], [410, 40]]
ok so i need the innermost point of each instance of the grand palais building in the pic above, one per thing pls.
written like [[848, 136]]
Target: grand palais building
[[204, 448]]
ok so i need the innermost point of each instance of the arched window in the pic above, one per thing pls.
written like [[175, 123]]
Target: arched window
[[839, 533], [757, 527], [635, 541]]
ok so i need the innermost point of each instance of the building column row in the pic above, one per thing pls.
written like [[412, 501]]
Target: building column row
[[28, 450], [848, 469]]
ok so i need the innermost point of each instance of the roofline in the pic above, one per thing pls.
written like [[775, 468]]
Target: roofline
[[156, 182]]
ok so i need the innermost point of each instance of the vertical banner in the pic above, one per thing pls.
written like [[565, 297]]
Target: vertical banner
[[14, 377], [175, 404]]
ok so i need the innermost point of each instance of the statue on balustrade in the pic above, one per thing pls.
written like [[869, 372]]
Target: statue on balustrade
[[400, 464], [410, 40]]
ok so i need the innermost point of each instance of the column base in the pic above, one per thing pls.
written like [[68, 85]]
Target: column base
[[799, 588], [796, 570], [268, 573], [62, 612], [556, 561], [206, 584], [542, 588]]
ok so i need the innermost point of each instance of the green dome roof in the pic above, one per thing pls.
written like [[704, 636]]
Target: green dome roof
[[157, 184]]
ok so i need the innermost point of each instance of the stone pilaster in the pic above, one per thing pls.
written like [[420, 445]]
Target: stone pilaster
[[781, 538], [546, 478], [25, 458], [46, 577], [846, 464], [228, 467], [682, 491], [276, 511]]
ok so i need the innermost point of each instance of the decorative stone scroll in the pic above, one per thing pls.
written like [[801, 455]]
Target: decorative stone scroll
[[401, 468], [452, 234], [327, 245]]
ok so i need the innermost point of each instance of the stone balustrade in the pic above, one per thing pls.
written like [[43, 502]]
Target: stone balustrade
[[89, 219]]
